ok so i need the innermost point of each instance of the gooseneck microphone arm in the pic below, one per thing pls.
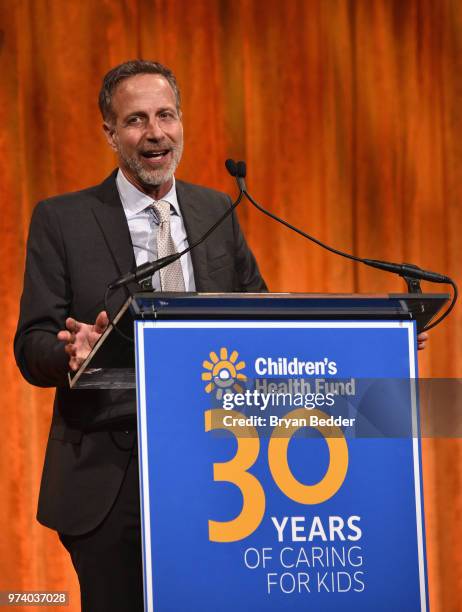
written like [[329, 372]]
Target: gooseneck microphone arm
[[238, 171], [148, 269]]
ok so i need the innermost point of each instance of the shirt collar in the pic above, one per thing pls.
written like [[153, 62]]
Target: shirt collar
[[134, 201]]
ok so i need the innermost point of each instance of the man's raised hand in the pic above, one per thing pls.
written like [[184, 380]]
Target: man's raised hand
[[80, 338]]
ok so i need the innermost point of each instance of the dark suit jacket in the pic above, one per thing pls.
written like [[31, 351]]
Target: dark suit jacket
[[78, 243]]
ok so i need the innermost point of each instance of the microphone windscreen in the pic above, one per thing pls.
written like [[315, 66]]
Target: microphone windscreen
[[241, 169], [231, 167]]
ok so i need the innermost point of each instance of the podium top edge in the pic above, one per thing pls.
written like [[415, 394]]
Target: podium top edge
[[291, 295], [419, 306], [283, 294]]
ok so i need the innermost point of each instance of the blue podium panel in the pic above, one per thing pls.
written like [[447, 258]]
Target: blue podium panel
[[280, 466]]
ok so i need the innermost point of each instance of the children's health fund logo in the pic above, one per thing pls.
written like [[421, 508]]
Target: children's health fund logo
[[224, 373]]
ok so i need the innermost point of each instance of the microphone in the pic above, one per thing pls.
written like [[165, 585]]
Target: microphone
[[146, 270], [231, 166], [238, 171], [409, 270], [405, 270]]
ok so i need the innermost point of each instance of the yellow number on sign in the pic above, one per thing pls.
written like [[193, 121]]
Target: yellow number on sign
[[279, 466], [248, 447], [235, 471]]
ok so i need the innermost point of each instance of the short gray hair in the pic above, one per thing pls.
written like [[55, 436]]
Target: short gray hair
[[126, 70]]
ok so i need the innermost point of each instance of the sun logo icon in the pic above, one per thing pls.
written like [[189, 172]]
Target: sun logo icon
[[222, 373]]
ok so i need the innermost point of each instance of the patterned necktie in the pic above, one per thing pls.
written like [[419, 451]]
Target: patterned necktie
[[171, 277]]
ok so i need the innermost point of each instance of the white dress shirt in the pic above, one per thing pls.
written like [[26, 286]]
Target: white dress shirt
[[142, 224]]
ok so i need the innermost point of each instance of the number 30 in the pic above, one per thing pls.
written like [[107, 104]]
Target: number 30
[[248, 448]]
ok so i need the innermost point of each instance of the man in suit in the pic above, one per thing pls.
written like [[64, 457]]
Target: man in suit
[[78, 244]]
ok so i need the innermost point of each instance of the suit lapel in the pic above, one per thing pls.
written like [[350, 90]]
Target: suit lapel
[[112, 221], [196, 224], [110, 216]]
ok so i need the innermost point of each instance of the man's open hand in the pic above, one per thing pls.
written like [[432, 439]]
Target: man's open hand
[[80, 338]]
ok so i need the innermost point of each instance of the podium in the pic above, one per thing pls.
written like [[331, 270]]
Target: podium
[[279, 449]]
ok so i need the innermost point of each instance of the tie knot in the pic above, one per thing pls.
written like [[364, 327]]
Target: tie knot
[[162, 209]]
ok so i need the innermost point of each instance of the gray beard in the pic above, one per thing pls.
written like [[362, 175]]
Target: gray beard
[[153, 178]]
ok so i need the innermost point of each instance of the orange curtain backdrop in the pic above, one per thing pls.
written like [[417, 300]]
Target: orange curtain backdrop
[[348, 113]]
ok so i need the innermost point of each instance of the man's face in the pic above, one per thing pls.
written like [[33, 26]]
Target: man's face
[[146, 131]]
